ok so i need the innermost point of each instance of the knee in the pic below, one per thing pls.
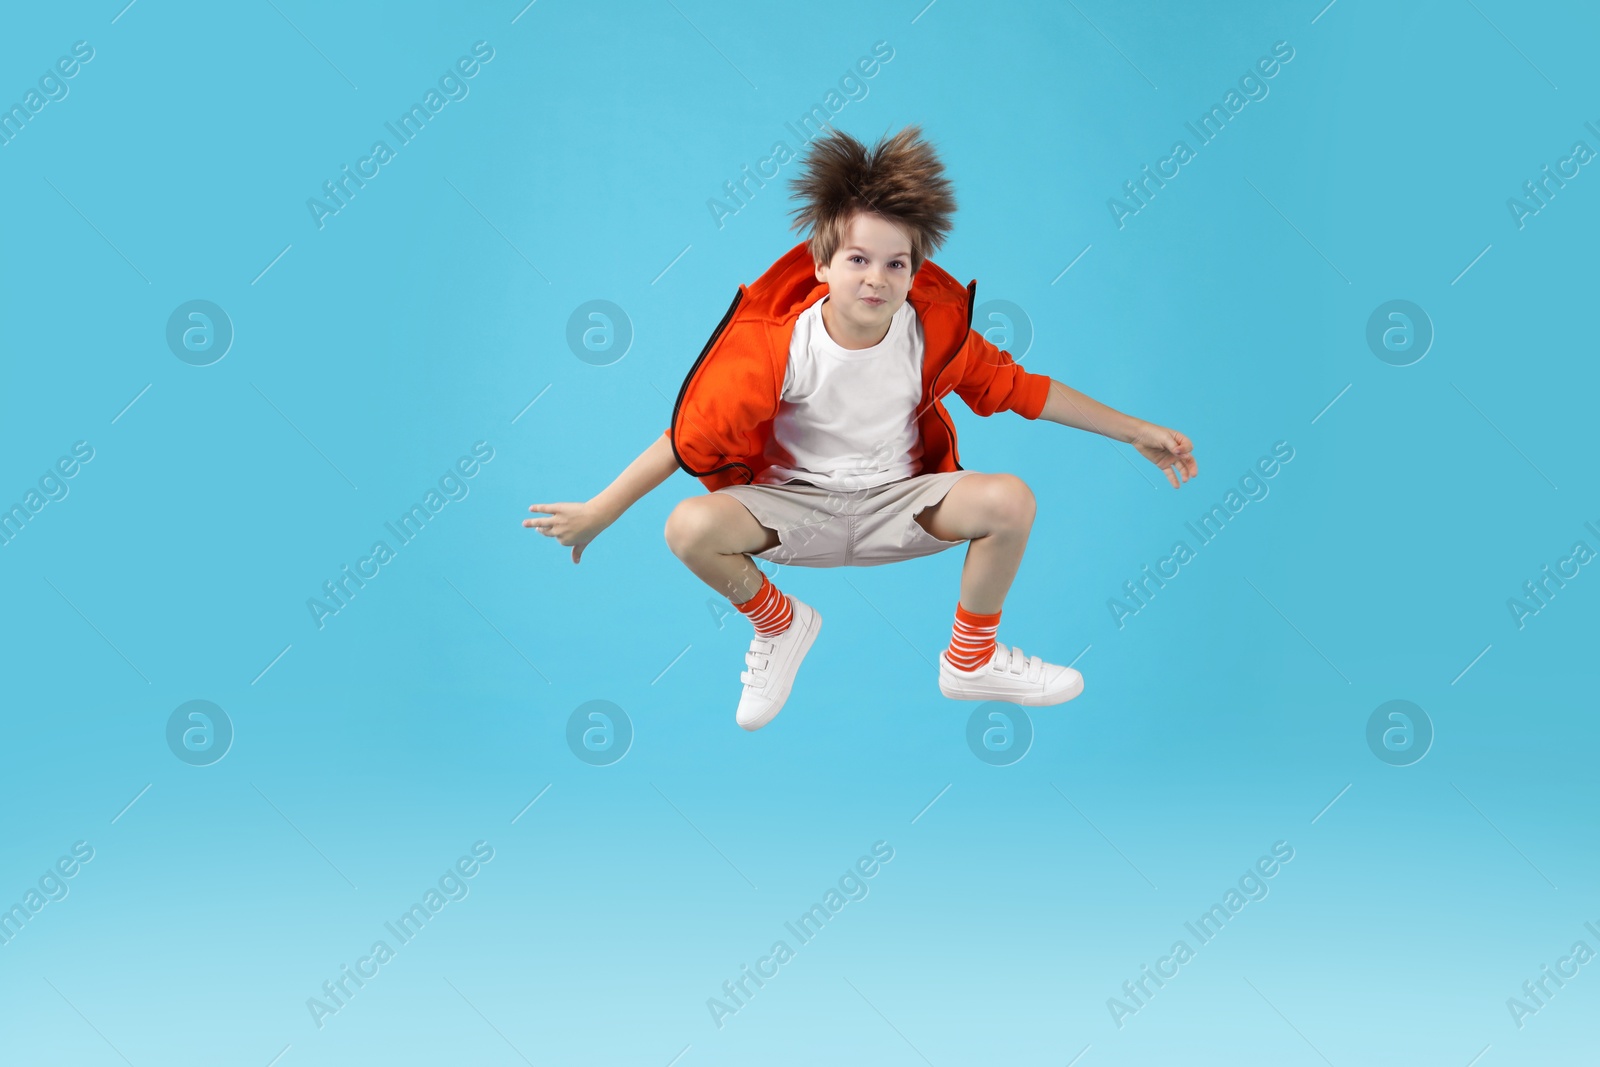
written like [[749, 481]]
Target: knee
[[1009, 502], [691, 526]]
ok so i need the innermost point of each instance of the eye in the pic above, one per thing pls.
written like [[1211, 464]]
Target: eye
[[854, 258]]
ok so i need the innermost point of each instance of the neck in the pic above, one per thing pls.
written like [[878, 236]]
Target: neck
[[844, 334]]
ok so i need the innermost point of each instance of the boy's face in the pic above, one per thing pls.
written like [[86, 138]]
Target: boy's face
[[869, 276]]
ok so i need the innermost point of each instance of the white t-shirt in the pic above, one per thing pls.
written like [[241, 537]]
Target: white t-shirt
[[845, 417]]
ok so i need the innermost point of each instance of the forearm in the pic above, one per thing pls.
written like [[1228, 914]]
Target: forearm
[[654, 466], [1069, 407]]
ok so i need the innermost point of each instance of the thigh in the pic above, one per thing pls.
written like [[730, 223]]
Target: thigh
[[734, 527], [884, 528], [974, 507], [804, 523]]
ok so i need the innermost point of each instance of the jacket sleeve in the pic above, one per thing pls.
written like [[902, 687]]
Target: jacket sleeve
[[992, 381]]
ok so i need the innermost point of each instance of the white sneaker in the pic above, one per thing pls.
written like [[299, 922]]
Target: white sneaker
[[1010, 675], [773, 662]]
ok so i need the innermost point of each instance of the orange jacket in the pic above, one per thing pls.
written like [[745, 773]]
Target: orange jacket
[[722, 419]]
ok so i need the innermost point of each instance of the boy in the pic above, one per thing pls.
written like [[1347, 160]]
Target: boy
[[813, 415]]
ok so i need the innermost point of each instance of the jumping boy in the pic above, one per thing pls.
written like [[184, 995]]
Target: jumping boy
[[814, 417]]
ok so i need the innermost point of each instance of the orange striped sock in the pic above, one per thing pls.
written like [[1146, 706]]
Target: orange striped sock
[[972, 639], [769, 609]]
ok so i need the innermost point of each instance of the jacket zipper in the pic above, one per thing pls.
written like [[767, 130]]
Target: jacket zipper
[[972, 297], [749, 475]]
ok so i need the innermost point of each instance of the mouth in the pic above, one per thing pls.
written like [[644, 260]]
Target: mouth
[[873, 301]]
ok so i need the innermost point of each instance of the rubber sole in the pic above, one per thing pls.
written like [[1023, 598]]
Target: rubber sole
[[1028, 700]]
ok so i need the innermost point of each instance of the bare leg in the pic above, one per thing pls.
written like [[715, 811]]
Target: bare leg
[[713, 535], [994, 513]]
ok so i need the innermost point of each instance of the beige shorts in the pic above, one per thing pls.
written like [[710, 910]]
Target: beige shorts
[[820, 527]]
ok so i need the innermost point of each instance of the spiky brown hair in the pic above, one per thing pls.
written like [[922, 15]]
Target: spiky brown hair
[[900, 179]]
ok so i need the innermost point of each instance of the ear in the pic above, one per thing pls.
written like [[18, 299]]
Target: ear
[[821, 271]]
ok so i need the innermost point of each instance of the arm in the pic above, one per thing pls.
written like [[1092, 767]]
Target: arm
[[992, 381], [654, 466], [1167, 449], [578, 524]]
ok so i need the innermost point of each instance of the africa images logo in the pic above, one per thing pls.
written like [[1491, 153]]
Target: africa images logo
[[1253, 487], [453, 486], [407, 127], [1253, 87]]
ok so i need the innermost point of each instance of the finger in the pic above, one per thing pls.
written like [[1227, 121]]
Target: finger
[[577, 553]]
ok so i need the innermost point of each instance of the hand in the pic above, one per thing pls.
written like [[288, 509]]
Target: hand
[[569, 524], [1167, 449]]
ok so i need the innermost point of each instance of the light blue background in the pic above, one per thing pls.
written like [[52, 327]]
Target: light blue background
[[426, 715]]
